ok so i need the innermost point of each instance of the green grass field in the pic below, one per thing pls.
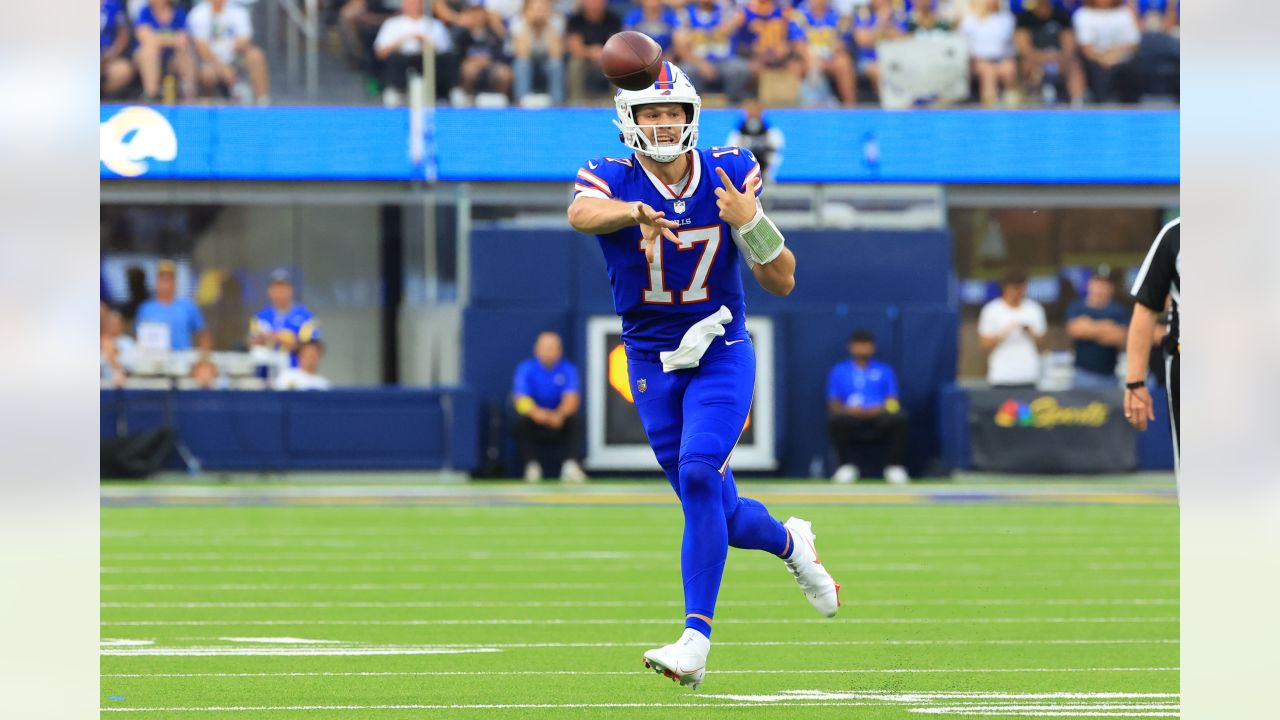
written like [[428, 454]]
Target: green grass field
[[507, 607]]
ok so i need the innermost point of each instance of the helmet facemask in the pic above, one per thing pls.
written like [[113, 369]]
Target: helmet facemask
[[678, 90]]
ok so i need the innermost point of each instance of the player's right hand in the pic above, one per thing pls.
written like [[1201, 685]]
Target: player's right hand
[[653, 225]]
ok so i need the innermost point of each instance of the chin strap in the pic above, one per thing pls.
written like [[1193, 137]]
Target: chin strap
[[760, 241]]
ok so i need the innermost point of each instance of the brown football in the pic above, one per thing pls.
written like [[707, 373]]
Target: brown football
[[631, 60]]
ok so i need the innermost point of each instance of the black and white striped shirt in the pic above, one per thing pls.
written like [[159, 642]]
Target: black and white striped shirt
[[1160, 276]]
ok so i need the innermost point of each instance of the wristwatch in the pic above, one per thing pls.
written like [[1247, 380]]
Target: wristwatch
[[1135, 385]]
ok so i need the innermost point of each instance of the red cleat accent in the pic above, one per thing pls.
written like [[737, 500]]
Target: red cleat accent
[[838, 595]]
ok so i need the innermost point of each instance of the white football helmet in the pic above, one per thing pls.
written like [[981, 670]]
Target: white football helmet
[[672, 86]]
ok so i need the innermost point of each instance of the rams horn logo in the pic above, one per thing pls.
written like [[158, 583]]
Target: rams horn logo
[[131, 137]]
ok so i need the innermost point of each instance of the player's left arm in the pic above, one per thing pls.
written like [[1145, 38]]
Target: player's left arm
[[772, 264]]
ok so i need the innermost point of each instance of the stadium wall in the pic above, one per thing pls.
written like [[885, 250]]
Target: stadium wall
[[342, 429], [899, 285]]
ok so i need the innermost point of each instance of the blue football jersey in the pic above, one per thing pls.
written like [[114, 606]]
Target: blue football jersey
[[689, 280]]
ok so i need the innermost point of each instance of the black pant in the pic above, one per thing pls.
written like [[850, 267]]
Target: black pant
[[396, 68], [1118, 83], [1171, 387], [530, 434], [849, 432]]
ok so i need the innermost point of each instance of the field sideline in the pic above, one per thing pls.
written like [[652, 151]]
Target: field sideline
[[285, 601]]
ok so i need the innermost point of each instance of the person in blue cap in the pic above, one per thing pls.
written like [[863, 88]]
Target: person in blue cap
[[283, 324]]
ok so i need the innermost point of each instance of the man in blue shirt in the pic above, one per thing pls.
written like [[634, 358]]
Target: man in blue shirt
[[863, 409], [547, 398], [180, 315], [1098, 327], [283, 324]]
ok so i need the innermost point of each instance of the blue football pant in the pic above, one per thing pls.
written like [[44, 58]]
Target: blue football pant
[[693, 419]]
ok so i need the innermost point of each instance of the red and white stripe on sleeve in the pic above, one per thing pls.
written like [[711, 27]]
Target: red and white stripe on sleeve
[[588, 184]]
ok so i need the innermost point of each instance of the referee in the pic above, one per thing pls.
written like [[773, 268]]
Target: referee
[[1157, 279]]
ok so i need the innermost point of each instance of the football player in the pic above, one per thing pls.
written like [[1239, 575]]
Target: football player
[[673, 222]]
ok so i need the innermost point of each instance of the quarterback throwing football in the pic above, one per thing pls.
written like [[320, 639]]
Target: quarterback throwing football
[[673, 221]]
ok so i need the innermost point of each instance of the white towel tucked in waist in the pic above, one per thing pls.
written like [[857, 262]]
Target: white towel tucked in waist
[[695, 342]]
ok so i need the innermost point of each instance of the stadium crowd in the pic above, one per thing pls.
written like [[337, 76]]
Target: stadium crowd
[[159, 338], [810, 53]]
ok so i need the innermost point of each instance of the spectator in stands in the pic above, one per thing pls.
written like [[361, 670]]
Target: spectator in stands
[[762, 139], [306, 376], [206, 376], [989, 30], [1011, 329], [589, 28], [1098, 327], [702, 46], [1108, 35], [828, 61], [1047, 49], [164, 48], [114, 38], [547, 398], [1158, 58], [284, 324], [222, 33], [1162, 16], [358, 23], [179, 316], [484, 67], [538, 41], [453, 14], [117, 349], [925, 18], [509, 11], [139, 293], [398, 48], [875, 22], [863, 409], [655, 19], [769, 41]]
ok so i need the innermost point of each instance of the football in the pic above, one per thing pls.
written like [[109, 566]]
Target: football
[[631, 60]]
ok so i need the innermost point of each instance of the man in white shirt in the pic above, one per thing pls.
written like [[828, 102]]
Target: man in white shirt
[[1012, 328], [223, 33], [398, 47], [306, 376]]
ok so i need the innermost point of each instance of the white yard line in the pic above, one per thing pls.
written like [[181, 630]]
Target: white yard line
[[509, 706], [718, 671], [1007, 602], [948, 568], [493, 647], [609, 555], [657, 621], [380, 587]]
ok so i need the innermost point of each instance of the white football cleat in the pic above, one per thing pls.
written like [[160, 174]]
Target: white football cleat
[[822, 591], [845, 474], [533, 472], [896, 475], [684, 661], [571, 472]]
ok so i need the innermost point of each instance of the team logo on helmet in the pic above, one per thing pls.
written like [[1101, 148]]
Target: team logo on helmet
[[666, 81]]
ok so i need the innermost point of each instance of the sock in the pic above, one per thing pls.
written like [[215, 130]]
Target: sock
[[706, 541], [751, 527]]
